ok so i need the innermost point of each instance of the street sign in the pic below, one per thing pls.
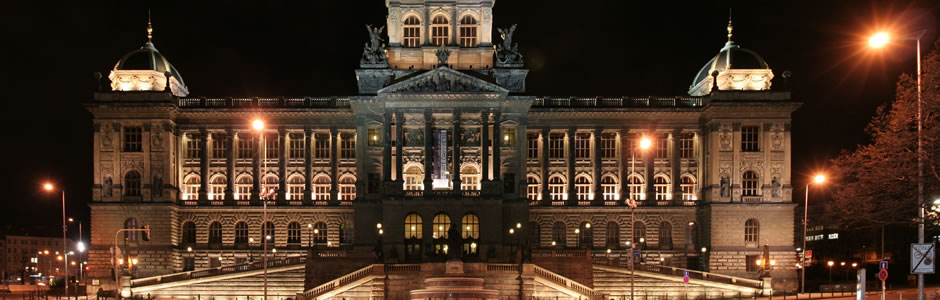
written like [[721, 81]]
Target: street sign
[[883, 265], [883, 274], [685, 276], [922, 258]]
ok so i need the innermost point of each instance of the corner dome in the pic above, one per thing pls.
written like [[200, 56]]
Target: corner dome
[[145, 69]]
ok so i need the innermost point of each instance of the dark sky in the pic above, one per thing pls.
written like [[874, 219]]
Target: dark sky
[[310, 48]]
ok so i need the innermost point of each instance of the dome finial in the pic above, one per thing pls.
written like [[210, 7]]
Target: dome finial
[[730, 27], [149, 29]]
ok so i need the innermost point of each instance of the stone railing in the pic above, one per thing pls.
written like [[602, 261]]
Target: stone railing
[[751, 199], [338, 282], [305, 102], [258, 265], [624, 262], [680, 101], [564, 281]]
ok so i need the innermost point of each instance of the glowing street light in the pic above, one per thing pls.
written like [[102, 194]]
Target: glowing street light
[[879, 40], [818, 179], [49, 188], [257, 124]]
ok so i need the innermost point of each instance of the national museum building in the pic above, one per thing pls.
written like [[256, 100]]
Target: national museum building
[[442, 176]]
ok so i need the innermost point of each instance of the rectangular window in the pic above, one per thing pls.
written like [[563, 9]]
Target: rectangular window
[[374, 139], [348, 145], [271, 146], [608, 146], [296, 146], [132, 139], [192, 147], [582, 146], [686, 145], [219, 146], [295, 192], [751, 262], [834, 236], [750, 138], [556, 145], [189, 264], [246, 146], [509, 137], [533, 142], [662, 146], [215, 262], [322, 146]]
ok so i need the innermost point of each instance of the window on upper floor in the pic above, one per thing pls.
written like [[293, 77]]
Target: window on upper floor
[[609, 186], [582, 186], [582, 145], [533, 188], [533, 145], [636, 188], [662, 146], [271, 146], [687, 184], [557, 188], [133, 137], [243, 188], [130, 236], [246, 146], [440, 30], [321, 188], [219, 146], [193, 149], [509, 137], [347, 188], [296, 142], [191, 188], [750, 138], [322, 146], [132, 183], [411, 32], [347, 145], [750, 184], [469, 178], [374, 139], [661, 184], [295, 188], [608, 145], [217, 188], [751, 231], [556, 146], [468, 31], [686, 145], [414, 179]]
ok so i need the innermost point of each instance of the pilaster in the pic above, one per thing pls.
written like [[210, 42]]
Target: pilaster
[[282, 164], [596, 170], [203, 165], [457, 154], [572, 194], [334, 168], [308, 164], [546, 194], [230, 165]]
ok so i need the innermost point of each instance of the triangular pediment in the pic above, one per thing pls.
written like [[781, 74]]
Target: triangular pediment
[[443, 80]]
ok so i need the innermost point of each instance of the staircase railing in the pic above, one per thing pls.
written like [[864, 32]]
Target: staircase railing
[[565, 282], [258, 265], [624, 262], [338, 282]]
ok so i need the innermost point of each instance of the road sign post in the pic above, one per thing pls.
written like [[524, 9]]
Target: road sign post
[[860, 284], [883, 266], [685, 276]]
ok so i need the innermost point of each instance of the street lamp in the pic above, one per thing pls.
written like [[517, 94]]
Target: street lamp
[[879, 40], [644, 144], [258, 126], [830, 263], [49, 187], [818, 179]]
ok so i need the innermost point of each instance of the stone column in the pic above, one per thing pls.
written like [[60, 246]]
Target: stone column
[[648, 163], [428, 151], [230, 165], [399, 146], [457, 154], [497, 143], [572, 195], [308, 164], [485, 144], [334, 168], [546, 194], [596, 170], [203, 165], [626, 154], [387, 148], [256, 167], [676, 166], [282, 164]]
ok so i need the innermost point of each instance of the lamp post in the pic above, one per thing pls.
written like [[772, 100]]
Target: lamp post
[[50, 187], [880, 40], [818, 179], [258, 125], [644, 144], [830, 263]]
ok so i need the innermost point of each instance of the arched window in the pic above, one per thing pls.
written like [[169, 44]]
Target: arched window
[[687, 183], [215, 233], [132, 183], [346, 232], [217, 188], [191, 188], [321, 188], [532, 188], [414, 179], [469, 178], [441, 225], [559, 235], [243, 187], [413, 226], [440, 30], [661, 184], [749, 184], [295, 188], [320, 233], [189, 233], [131, 236], [411, 32], [557, 188], [585, 235], [468, 31], [609, 186], [639, 233], [751, 232], [269, 187], [665, 235], [293, 233], [582, 186], [347, 188], [241, 233], [535, 234], [470, 233], [612, 235], [636, 188], [267, 232]]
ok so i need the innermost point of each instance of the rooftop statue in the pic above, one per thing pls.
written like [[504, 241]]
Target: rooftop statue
[[373, 53], [507, 53]]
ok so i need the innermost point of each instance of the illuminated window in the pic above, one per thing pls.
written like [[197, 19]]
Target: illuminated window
[[833, 236], [219, 146], [296, 142], [413, 226], [662, 188], [533, 144], [347, 188], [608, 146], [469, 178], [558, 189], [470, 233], [321, 188], [751, 231], [441, 226], [532, 188], [749, 184], [215, 233], [582, 186], [411, 32], [246, 146], [662, 146], [293, 233], [468, 31], [193, 150], [132, 183], [295, 188], [609, 186], [374, 139], [582, 145], [440, 31], [271, 146], [414, 179], [243, 188], [217, 188], [750, 138], [686, 145], [636, 187], [687, 183], [556, 146], [347, 145], [191, 188], [665, 235], [322, 145], [132, 139]]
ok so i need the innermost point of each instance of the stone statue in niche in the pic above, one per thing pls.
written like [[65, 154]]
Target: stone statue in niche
[[776, 141], [157, 186], [507, 53], [373, 53], [725, 140], [106, 187], [106, 141], [157, 140], [775, 185], [725, 190]]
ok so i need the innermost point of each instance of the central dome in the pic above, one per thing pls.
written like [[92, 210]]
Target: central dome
[[145, 69], [148, 58], [731, 57]]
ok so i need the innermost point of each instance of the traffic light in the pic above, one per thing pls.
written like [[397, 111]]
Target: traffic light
[[146, 233]]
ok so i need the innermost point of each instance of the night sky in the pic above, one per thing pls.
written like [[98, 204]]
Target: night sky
[[310, 48]]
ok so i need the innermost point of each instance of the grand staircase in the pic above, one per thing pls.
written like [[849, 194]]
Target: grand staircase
[[285, 279]]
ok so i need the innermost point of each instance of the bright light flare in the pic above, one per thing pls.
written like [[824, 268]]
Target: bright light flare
[[879, 40], [257, 125], [48, 186], [819, 178], [645, 143]]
